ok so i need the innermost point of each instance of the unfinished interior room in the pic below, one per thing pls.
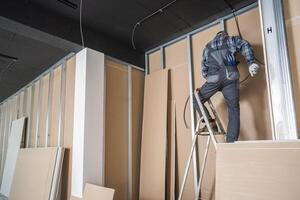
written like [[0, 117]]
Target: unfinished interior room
[[149, 100]]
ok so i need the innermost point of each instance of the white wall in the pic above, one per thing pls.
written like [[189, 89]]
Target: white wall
[[88, 136]]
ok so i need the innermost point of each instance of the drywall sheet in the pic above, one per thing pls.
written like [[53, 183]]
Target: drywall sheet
[[155, 61], [27, 105], [33, 174], [138, 78], [116, 128], [75, 198], [263, 144], [6, 133], [176, 54], [14, 142], [292, 20], [177, 61], [14, 109], [179, 87], [154, 136], [171, 162], [208, 184], [68, 128], [88, 130], [5, 137], [4, 111], [55, 107], [93, 192], [69, 102], [20, 112], [43, 112], [272, 173], [33, 120]]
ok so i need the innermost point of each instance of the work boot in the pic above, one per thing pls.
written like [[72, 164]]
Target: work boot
[[213, 125]]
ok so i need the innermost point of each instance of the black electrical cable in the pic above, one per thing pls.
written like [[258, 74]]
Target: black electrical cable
[[234, 15], [80, 24], [184, 112], [146, 18]]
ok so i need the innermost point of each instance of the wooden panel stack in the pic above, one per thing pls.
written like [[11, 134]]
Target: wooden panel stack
[[258, 170], [154, 138], [116, 130]]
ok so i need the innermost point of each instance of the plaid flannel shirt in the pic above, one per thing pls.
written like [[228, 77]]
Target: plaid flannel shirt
[[235, 44]]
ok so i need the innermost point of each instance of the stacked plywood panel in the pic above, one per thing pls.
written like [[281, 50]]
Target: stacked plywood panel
[[154, 138], [93, 192], [37, 174], [258, 170], [123, 114]]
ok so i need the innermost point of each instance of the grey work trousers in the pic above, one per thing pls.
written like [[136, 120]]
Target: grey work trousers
[[231, 92]]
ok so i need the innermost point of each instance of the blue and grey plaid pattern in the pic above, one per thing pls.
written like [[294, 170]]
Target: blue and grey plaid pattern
[[235, 44]]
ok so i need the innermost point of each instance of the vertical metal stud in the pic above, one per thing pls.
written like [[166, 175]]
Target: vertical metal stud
[[222, 25], [17, 106], [25, 100], [31, 110], [278, 70], [11, 116], [62, 105], [49, 109], [191, 92], [1, 130], [162, 58], [3, 138], [129, 132], [39, 112], [6, 132], [13, 110], [20, 105], [146, 64]]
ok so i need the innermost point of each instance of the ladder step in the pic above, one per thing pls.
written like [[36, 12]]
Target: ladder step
[[207, 133]]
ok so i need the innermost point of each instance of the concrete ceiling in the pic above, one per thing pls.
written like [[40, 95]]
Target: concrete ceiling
[[40, 32], [116, 18], [33, 57]]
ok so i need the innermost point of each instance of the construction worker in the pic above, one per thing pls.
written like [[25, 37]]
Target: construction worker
[[219, 68]]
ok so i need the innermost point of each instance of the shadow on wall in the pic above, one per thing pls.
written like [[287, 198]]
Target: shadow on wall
[[292, 29], [253, 98]]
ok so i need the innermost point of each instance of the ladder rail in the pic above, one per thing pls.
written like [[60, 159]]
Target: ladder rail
[[211, 137], [194, 141], [203, 168], [211, 133]]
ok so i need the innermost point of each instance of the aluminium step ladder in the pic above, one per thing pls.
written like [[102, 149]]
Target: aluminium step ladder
[[194, 141]]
